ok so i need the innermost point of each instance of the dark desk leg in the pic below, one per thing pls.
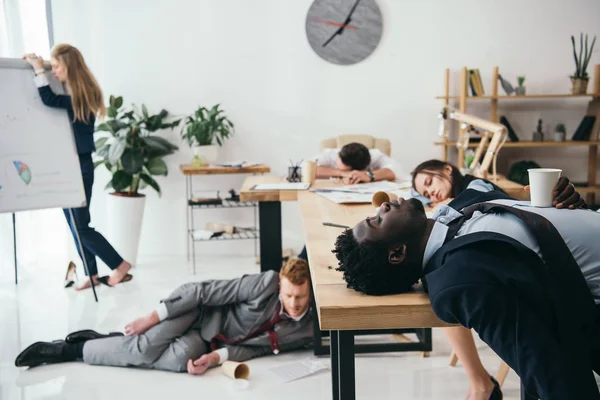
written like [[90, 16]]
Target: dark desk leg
[[269, 220], [525, 396], [15, 246], [335, 359], [347, 386]]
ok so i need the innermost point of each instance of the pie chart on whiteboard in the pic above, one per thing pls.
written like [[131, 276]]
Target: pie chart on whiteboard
[[23, 171]]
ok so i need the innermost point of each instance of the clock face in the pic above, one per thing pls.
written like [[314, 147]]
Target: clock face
[[344, 31]]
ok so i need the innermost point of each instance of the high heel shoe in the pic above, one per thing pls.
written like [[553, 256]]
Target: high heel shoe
[[496, 393], [71, 275]]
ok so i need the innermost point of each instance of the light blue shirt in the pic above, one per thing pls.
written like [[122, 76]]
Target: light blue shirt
[[579, 229]]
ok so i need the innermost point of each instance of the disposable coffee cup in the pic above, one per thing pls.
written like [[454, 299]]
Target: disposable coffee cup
[[236, 370], [541, 183], [309, 171]]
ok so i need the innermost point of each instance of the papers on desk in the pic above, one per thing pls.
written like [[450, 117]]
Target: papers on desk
[[363, 193], [299, 369], [281, 186]]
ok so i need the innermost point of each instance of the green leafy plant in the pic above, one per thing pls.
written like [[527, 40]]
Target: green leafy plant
[[129, 151], [205, 126], [521, 80], [561, 128], [583, 59]]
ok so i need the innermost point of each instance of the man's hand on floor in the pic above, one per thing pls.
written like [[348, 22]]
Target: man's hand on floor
[[142, 324], [200, 366]]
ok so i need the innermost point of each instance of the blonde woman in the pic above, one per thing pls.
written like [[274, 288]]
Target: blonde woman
[[84, 104]]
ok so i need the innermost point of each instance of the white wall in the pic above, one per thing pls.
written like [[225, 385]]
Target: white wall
[[254, 59]]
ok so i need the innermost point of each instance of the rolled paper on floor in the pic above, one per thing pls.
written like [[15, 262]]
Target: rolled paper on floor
[[381, 197], [236, 370]]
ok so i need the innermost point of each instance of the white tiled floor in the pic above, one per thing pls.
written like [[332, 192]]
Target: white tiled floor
[[40, 309]]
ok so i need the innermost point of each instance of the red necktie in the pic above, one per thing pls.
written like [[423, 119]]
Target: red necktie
[[267, 326]]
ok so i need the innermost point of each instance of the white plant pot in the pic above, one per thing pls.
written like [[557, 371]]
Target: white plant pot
[[207, 154], [125, 216]]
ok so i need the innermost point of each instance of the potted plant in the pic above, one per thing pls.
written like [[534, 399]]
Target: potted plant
[[560, 133], [580, 79], [133, 156], [202, 129], [520, 90]]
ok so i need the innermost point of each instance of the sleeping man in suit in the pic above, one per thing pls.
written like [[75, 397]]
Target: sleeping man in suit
[[526, 279], [199, 325]]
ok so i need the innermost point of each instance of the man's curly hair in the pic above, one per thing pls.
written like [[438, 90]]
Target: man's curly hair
[[366, 267]]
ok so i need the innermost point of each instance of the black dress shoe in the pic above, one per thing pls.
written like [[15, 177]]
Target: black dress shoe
[[496, 393], [42, 353], [88, 334]]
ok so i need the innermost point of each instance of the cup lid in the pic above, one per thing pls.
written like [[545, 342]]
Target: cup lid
[[544, 170]]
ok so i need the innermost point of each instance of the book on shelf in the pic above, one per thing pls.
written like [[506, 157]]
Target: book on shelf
[[584, 129], [511, 133], [476, 83], [594, 110]]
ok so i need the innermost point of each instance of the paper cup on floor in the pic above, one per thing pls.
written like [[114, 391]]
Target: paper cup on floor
[[236, 370], [541, 183]]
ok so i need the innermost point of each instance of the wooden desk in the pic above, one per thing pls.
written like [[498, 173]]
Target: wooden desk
[[188, 169], [343, 311], [269, 216], [513, 189]]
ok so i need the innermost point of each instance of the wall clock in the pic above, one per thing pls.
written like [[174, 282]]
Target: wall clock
[[344, 31]]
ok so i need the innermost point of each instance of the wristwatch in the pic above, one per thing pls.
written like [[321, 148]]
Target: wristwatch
[[371, 175]]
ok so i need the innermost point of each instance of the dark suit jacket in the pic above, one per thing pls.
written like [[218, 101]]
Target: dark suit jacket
[[497, 286]]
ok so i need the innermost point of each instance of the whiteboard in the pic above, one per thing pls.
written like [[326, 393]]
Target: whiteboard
[[39, 165]]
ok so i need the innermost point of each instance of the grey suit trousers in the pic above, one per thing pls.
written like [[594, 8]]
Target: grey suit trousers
[[167, 346]]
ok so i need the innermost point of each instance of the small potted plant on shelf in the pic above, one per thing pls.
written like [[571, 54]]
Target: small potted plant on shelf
[[520, 90], [538, 135], [560, 133], [133, 156], [202, 129], [580, 79]]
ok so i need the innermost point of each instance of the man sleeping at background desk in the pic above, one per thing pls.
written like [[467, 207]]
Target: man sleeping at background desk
[[355, 163]]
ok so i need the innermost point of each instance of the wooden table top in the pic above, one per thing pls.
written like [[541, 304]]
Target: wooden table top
[[188, 169], [247, 194], [340, 308]]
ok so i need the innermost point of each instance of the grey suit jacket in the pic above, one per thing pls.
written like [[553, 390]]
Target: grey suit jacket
[[235, 308]]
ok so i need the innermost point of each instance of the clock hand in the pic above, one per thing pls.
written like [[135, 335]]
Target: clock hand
[[346, 22], [334, 23]]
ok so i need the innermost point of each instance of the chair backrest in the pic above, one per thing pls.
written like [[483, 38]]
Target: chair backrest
[[372, 143]]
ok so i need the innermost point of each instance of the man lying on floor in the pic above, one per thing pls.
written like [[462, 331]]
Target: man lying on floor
[[526, 279], [199, 325]]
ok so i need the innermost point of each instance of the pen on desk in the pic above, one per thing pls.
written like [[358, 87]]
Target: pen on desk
[[335, 225]]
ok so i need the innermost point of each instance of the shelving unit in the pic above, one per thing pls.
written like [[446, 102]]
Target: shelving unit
[[189, 172], [463, 98]]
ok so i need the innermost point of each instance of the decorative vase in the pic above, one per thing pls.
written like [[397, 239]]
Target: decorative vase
[[520, 90], [579, 85], [125, 215], [538, 136], [559, 136], [206, 155]]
